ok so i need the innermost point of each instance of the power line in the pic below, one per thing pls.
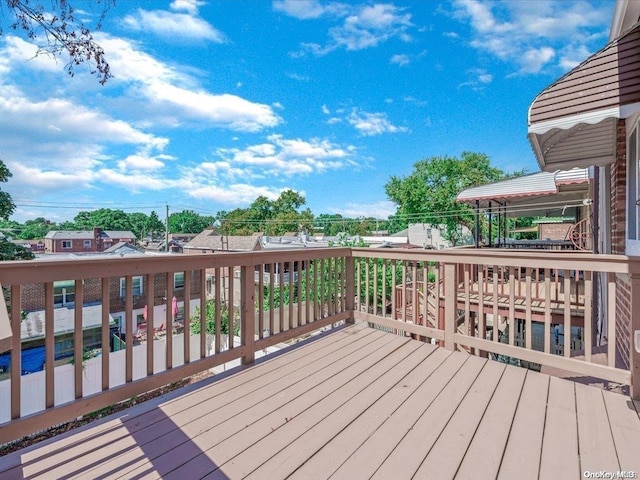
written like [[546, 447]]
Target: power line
[[438, 215]]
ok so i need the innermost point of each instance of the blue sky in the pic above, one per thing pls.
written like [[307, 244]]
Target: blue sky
[[216, 102]]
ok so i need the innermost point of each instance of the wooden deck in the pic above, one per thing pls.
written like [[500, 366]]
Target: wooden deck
[[354, 403]]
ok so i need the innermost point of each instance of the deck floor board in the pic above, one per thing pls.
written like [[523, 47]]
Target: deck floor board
[[354, 403]]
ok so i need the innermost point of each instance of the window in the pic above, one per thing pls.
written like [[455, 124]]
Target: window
[[633, 192], [178, 280], [87, 244], [136, 284], [64, 292], [67, 244]]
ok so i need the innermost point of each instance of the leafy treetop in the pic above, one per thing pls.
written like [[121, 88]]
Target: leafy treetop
[[429, 193]]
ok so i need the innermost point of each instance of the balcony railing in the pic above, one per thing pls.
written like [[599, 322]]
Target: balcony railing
[[538, 309]]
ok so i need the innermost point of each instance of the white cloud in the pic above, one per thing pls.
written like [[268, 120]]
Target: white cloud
[[302, 9], [369, 124], [572, 56], [280, 156], [478, 78], [370, 26], [415, 101], [401, 59], [297, 76], [226, 110], [172, 25], [189, 6], [326, 110], [60, 127], [535, 59], [382, 209], [141, 162], [235, 194], [55, 180], [528, 34], [135, 182], [357, 27], [178, 95]]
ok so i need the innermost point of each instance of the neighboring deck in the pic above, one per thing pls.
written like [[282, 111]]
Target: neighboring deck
[[355, 403]]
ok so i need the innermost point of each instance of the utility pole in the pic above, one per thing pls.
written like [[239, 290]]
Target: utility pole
[[166, 231]]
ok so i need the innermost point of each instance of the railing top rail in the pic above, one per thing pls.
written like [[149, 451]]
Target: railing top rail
[[45, 270], [533, 258]]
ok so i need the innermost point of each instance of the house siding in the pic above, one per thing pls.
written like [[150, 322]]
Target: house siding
[[607, 79]]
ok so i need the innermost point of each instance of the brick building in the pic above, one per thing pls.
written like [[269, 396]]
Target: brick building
[[96, 240]]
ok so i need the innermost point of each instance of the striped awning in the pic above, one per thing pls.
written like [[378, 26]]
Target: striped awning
[[539, 193], [574, 121]]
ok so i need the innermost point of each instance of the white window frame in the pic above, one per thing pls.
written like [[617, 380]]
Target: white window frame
[[632, 226], [178, 283], [137, 284], [86, 243], [67, 244], [62, 292]]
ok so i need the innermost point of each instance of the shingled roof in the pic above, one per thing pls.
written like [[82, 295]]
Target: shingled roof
[[212, 240]]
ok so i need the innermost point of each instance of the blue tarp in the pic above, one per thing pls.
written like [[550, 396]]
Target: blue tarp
[[32, 360]]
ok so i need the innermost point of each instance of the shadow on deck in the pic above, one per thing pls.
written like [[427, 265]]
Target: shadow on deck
[[354, 403]]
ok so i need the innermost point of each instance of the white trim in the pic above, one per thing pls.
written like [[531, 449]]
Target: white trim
[[625, 16], [591, 118], [632, 245], [618, 17]]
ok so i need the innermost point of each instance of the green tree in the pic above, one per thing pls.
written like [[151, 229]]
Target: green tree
[[210, 320], [7, 207], [188, 221], [36, 228], [272, 217], [9, 250], [155, 225], [105, 218], [429, 193], [67, 226], [143, 224]]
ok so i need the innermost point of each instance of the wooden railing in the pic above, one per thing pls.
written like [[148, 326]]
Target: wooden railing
[[260, 314], [536, 309], [514, 306]]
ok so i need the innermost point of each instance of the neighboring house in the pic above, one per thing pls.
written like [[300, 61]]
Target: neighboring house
[[433, 236], [590, 117], [33, 296], [161, 246], [96, 240], [210, 241], [182, 237], [34, 246]]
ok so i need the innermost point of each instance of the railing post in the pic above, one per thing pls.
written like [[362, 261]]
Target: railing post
[[247, 318], [6, 332], [634, 328], [450, 301], [350, 289]]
